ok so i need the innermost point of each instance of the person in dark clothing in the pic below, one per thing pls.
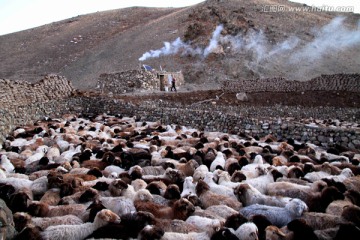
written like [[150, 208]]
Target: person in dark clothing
[[173, 84]]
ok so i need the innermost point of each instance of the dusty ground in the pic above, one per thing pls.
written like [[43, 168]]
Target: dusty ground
[[309, 99]]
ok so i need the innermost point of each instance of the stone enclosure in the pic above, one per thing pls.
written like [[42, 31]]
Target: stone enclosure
[[23, 103], [136, 80]]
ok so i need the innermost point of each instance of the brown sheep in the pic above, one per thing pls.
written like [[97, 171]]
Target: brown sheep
[[181, 209], [209, 198]]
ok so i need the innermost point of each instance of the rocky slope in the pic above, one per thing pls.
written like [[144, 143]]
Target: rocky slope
[[251, 42]]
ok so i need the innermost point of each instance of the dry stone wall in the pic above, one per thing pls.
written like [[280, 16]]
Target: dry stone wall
[[20, 93], [135, 80], [25, 103], [128, 81], [241, 120], [337, 82]]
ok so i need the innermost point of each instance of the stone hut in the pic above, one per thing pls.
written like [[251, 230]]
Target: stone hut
[[136, 81], [163, 77]]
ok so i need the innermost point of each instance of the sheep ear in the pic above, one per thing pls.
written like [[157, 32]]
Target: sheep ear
[[280, 233]]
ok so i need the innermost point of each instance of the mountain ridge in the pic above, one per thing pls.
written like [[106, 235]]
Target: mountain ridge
[[83, 47]]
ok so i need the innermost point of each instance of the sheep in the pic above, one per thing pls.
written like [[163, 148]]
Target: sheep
[[181, 209], [119, 205], [274, 233], [40, 209], [247, 231], [174, 235], [336, 207], [29, 232], [128, 228], [224, 234], [39, 153], [209, 198], [225, 180], [6, 164], [21, 219], [293, 190], [187, 168], [80, 231], [249, 195], [218, 162], [175, 225], [188, 187], [222, 211], [261, 182], [221, 190], [278, 216], [138, 184], [200, 172], [203, 223], [321, 221]]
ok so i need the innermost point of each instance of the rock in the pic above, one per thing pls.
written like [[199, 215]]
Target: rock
[[6, 222], [242, 97]]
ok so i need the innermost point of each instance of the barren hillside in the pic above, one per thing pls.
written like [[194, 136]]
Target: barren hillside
[[83, 47]]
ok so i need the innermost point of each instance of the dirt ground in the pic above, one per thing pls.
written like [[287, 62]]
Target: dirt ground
[[308, 99]]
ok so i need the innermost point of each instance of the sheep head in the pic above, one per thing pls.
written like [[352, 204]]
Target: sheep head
[[183, 208], [172, 192], [105, 216], [117, 186], [21, 219], [238, 176], [38, 209], [296, 207], [201, 187], [243, 191], [273, 233], [151, 232]]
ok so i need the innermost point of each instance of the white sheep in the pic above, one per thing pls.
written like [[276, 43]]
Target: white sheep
[[45, 222], [203, 223], [39, 153], [39, 186], [17, 183], [81, 231], [225, 180], [249, 195], [188, 187], [200, 172], [247, 231], [6, 164], [278, 216], [261, 182], [119, 205], [345, 173], [219, 161], [222, 190], [222, 211]]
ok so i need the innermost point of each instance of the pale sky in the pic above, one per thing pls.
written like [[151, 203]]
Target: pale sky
[[17, 15]]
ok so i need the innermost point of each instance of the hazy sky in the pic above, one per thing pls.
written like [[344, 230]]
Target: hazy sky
[[17, 15]]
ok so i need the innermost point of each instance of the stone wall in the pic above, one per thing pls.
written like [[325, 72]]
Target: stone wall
[[241, 120], [135, 80], [24, 103], [127, 81], [336, 82], [20, 93]]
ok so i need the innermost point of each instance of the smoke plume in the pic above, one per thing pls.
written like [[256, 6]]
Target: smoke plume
[[259, 55]]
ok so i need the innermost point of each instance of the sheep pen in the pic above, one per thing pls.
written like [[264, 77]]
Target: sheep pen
[[159, 177]]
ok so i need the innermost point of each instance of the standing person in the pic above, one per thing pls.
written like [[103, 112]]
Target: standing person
[[173, 84]]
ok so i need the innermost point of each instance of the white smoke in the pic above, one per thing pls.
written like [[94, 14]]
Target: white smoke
[[214, 42], [260, 55], [330, 39], [179, 46], [168, 49]]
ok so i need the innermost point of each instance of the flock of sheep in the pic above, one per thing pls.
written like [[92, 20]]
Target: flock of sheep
[[115, 177]]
